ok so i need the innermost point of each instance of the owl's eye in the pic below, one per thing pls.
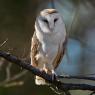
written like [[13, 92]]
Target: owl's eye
[[55, 20], [45, 21]]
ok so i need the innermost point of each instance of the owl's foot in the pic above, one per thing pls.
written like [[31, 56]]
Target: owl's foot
[[54, 75]]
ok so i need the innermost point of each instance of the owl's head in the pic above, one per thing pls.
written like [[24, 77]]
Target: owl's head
[[49, 21]]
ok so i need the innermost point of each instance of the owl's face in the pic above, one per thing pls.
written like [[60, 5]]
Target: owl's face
[[49, 21]]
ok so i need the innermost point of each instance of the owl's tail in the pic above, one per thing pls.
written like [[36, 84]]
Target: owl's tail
[[40, 81]]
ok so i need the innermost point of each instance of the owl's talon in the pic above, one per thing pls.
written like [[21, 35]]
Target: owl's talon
[[54, 75]]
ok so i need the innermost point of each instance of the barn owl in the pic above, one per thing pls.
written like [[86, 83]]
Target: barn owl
[[48, 42]]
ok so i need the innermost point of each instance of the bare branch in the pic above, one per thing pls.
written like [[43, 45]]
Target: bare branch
[[18, 83], [47, 77], [11, 80]]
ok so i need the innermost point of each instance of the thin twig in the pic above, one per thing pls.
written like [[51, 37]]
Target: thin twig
[[17, 76], [16, 83], [77, 77], [3, 43], [8, 75], [1, 62], [56, 91]]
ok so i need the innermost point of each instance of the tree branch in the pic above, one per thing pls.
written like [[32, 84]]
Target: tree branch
[[77, 77], [47, 77]]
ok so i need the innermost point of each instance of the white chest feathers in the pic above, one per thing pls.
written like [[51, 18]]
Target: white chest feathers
[[49, 48]]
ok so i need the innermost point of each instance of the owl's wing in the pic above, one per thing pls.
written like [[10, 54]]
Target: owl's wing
[[34, 50], [60, 54]]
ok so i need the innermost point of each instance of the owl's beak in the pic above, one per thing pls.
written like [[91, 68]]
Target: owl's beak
[[51, 28]]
